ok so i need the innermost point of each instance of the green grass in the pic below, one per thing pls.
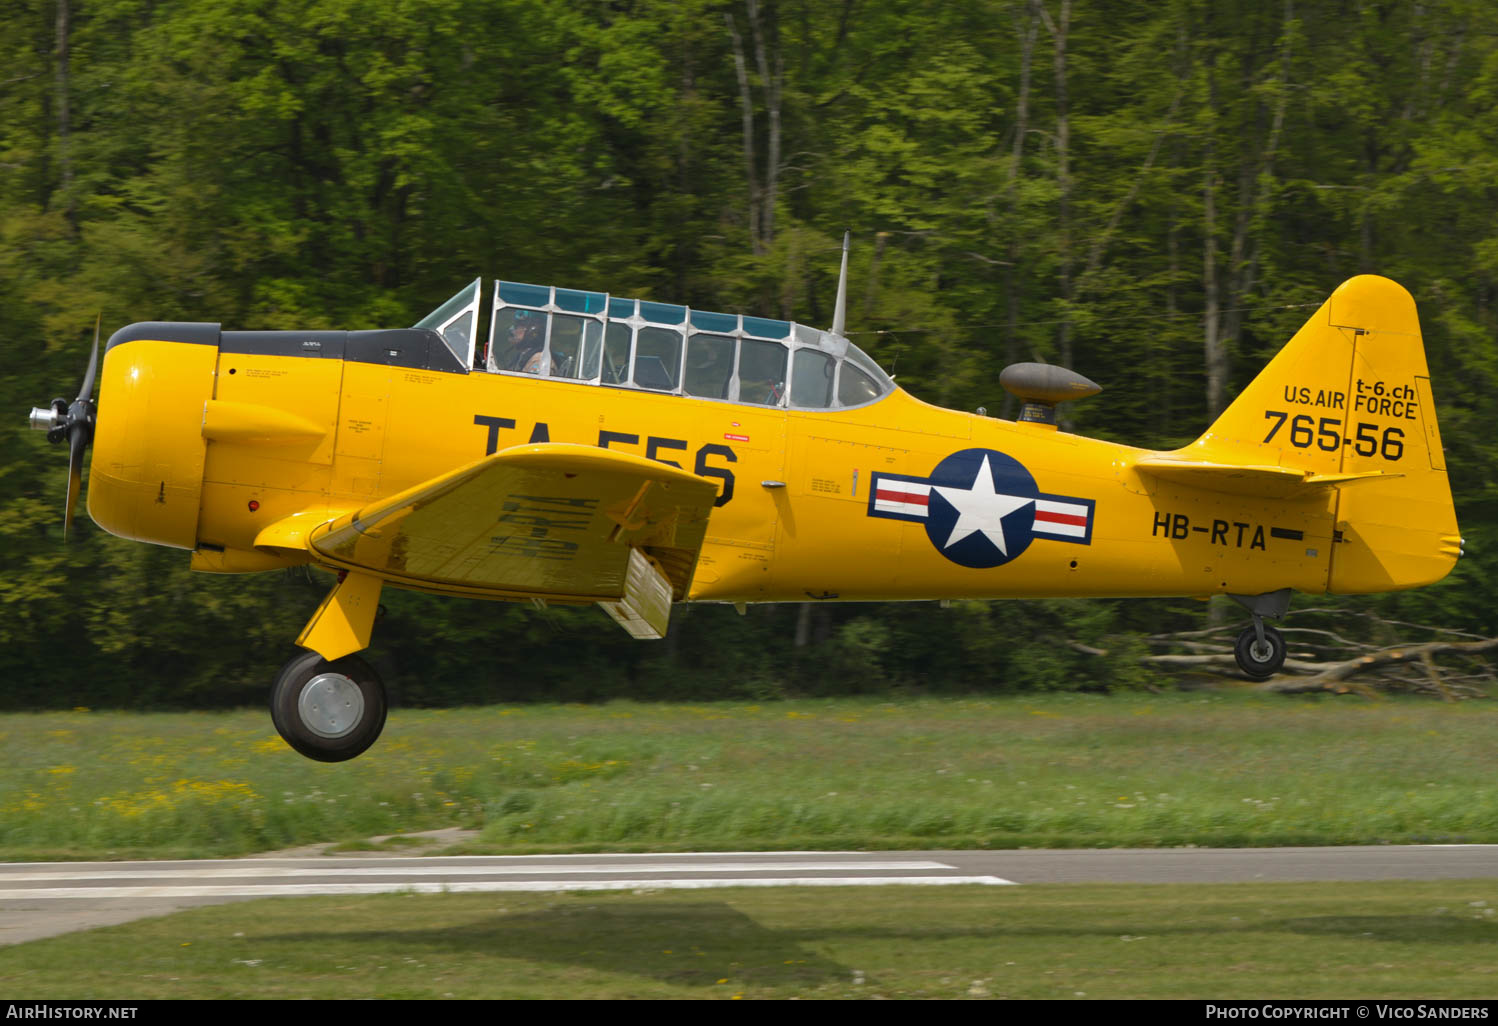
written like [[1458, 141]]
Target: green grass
[[1249, 941], [1050, 770]]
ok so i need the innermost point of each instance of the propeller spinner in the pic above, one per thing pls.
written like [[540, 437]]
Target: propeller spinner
[[74, 422]]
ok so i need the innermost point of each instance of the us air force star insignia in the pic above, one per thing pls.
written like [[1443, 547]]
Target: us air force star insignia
[[981, 508]]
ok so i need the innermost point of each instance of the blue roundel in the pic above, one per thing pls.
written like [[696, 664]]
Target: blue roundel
[[981, 511]]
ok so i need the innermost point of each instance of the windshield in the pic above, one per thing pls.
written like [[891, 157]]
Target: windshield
[[457, 321]]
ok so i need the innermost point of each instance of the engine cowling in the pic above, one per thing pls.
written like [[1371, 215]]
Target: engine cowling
[[146, 477]]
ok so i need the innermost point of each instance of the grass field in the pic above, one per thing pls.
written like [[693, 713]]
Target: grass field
[[1043, 771], [1059, 770], [1250, 941]]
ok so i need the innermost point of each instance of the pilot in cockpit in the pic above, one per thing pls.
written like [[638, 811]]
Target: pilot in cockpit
[[524, 347]]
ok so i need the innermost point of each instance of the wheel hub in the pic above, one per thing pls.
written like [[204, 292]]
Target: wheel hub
[[331, 705], [1261, 651]]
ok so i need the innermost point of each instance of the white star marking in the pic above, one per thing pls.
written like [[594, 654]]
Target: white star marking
[[981, 510]]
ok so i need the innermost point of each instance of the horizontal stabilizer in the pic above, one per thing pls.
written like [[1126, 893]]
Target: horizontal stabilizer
[[1268, 482]]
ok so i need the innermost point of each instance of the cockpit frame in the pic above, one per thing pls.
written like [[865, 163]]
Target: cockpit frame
[[598, 339]]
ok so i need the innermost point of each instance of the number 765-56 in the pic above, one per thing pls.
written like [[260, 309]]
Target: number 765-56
[[1325, 433]]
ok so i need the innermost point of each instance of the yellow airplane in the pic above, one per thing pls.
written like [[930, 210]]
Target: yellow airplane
[[635, 454]]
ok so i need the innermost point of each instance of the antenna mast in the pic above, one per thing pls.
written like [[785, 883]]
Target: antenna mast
[[840, 310]]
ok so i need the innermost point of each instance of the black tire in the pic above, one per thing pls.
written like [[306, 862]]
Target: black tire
[[1250, 661], [328, 711]]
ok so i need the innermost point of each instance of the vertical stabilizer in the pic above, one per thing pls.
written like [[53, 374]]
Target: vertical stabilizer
[[1349, 398]]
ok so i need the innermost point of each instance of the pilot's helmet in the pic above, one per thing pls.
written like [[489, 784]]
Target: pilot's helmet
[[527, 324]]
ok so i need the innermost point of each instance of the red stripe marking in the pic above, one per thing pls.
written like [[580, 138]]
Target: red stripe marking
[[1061, 518], [914, 498]]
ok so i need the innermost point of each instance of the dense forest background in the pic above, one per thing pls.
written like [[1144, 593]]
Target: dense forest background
[[1155, 195]]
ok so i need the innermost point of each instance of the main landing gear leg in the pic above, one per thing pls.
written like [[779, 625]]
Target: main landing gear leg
[[1260, 650], [328, 703]]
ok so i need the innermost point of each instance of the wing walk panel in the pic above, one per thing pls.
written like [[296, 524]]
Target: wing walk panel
[[549, 520]]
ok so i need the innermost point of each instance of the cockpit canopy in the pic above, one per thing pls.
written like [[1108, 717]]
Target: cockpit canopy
[[598, 339]]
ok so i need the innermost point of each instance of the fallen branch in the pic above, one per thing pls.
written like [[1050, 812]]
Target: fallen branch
[[1331, 678], [1322, 659]]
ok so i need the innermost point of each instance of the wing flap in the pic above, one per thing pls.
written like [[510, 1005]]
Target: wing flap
[[645, 606], [1267, 482], [549, 520]]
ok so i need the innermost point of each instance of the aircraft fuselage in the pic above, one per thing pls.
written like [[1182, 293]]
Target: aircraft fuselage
[[878, 502]]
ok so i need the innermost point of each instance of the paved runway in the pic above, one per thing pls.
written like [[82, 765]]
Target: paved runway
[[41, 899]]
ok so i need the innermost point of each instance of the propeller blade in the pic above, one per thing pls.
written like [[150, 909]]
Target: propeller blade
[[77, 440], [74, 422], [87, 390]]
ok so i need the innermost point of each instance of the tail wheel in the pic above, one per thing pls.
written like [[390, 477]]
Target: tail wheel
[[328, 711], [1260, 659]]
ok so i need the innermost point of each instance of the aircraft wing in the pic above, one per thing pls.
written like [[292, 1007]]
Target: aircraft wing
[[1266, 482], [549, 521]]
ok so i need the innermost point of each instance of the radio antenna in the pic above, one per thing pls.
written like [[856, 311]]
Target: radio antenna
[[840, 310]]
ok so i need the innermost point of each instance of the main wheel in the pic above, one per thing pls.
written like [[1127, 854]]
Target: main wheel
[[328, 711], [1260, 659]]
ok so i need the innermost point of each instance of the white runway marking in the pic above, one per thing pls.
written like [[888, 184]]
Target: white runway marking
[[428, 869], [22, 883], [479, 886]]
